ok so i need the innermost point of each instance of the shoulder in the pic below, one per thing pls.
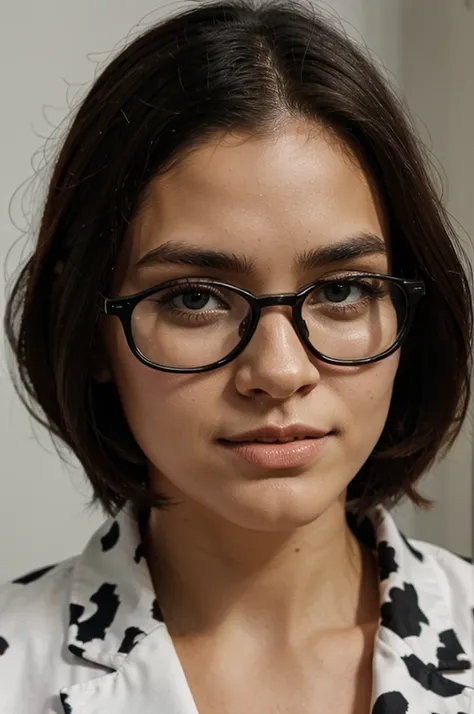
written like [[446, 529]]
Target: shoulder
[[454, 572], [36, 595], [33, 621], [447, 578]]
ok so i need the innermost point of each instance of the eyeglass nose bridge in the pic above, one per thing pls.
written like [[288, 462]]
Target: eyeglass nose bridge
[[288, 299]]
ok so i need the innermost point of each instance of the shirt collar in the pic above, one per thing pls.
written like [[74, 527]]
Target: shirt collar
[[113, 604], [416, 607]]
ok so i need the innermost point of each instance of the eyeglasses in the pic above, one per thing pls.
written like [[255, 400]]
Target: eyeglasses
[[199, 324]]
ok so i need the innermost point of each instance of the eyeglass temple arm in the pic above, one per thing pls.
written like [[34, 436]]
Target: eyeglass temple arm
[[102, 304]]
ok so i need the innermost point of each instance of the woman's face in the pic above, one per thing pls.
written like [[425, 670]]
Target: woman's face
[[269, 202]]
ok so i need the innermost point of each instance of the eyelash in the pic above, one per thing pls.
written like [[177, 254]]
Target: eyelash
[[188, 289]]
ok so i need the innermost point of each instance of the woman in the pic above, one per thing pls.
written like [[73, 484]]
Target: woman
[[247, 315]]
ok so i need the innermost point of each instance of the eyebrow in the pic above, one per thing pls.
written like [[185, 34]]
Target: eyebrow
[[181, 253]]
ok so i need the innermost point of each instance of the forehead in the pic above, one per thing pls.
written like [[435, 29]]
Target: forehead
[[292, 190]]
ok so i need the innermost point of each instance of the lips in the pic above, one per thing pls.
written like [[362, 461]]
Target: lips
[[278, 435], [279, 449]]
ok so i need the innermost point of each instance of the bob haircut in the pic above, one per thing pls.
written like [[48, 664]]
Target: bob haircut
[[246, 66]]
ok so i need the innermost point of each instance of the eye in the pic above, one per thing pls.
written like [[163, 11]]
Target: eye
[[195, 299], [343, 291], [193, 304], [339, 292], [346, 297]]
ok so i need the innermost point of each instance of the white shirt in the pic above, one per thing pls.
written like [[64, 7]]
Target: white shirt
[[87, 636]]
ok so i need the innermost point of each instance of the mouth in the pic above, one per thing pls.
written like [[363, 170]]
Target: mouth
[[278, 434], [284, 452]]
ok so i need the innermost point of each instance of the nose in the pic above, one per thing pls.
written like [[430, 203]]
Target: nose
[[275, 363]]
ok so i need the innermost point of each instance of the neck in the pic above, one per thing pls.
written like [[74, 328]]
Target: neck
[[209, 573]]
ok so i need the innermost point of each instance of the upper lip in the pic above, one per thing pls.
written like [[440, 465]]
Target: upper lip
[[279, 432]]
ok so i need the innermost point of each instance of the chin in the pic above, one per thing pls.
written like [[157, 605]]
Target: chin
[[280, 504]]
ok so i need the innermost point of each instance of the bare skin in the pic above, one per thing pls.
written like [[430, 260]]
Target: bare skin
[[264, 588], [243, 662]]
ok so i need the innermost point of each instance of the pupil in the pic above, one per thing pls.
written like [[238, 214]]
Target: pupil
[[339, 292], [195, 301]]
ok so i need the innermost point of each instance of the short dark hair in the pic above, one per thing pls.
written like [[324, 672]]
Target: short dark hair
[[241, 66]]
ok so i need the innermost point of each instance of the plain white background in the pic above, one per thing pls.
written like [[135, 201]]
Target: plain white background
[[49, 52]]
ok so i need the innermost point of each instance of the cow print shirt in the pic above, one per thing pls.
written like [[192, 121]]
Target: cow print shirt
[[87, 636]]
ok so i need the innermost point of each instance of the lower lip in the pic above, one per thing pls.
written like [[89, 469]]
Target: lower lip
[[278, 456]]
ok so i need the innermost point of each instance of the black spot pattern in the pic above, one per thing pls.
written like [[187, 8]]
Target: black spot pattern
[[111, 538], [413, 550], [77, 651], [139, 553], [156, 611], [387, 562], [33, 575], [390, 703], [66, 706], [96, 626], [403, 615], [128, 642], [449, 653], [3, 646], [75, 611], [429, 679]]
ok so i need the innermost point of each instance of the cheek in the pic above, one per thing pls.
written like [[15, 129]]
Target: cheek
[[140, 388], [367, 396], [151, 399], [161, 408]]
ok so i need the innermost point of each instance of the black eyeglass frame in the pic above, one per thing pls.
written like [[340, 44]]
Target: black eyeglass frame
[[122, 307]]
